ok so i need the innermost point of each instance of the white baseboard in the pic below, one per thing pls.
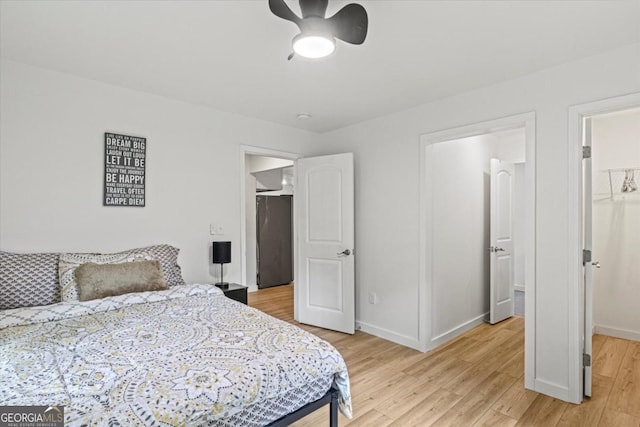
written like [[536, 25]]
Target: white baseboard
[[617, 332], [518, 287], [388, 335], [458, 330]]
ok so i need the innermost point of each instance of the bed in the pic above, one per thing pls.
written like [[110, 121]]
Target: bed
[[186, 355]]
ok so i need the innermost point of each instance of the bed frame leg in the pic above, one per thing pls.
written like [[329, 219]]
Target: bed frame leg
[[330, 397], [333, 410]]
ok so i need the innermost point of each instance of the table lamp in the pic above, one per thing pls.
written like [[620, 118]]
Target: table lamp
[[222, 256]]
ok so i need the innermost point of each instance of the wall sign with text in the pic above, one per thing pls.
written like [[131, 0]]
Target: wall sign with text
[[124, 170]]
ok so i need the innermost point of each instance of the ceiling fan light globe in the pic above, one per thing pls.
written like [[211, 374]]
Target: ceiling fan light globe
[[313, 45]]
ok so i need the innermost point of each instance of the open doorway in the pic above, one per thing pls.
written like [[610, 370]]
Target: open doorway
[[582, 175], [615, 162], [611, 233], [269, 191], [464, 208], [455, 240], [324, 291], [254, 159]]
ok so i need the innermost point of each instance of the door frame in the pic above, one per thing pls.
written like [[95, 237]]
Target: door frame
[[266, 152], [425, 331], [576, 295]]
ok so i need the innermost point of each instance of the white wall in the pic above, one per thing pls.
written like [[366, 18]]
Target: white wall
[[460, 274], [263, 163], [519, 214], [387, 181], [616, 226], [52, 166]]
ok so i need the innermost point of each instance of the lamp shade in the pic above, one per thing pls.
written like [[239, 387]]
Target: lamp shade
[[221, 252]]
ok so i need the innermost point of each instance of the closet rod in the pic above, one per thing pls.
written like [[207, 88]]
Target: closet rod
[[620, 169]]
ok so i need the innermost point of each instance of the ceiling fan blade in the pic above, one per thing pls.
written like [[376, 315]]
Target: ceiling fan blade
[[350, 24], [313, 8], [280, 9]]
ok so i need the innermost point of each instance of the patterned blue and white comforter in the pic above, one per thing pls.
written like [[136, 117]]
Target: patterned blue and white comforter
[[185, 356]]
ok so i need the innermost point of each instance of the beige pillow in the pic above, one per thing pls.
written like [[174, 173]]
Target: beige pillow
[[105, 280]]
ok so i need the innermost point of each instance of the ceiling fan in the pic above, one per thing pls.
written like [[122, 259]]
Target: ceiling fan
[[318, 33]]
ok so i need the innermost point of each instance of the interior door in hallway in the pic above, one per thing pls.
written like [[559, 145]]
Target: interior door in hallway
[[501, 241]]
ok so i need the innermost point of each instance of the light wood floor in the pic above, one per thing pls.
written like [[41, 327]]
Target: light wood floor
[[475, 380]]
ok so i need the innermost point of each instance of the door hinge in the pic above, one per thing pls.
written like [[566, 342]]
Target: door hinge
[[586, 152], [586, 256], [586, 359]]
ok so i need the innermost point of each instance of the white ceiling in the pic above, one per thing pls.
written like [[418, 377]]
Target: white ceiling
[[232, 55]]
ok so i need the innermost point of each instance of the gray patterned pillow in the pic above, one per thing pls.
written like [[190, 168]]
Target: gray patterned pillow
[[166, 254], [28, 280], [168, 257]]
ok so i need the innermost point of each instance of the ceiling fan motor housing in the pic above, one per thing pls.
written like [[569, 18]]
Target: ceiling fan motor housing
[[317, 33]]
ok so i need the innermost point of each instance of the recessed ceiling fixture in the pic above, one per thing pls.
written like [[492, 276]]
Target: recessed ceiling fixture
[[317, 33], [303, 116]]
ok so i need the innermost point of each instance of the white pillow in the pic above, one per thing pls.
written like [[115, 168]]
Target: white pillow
[[69, 262], [166, 254]]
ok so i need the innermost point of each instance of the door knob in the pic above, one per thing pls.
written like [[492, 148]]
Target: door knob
[[495, 249], [346, 252], [596, 264]]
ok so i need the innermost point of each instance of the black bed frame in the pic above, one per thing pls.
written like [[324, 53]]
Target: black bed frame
[[331, 397]]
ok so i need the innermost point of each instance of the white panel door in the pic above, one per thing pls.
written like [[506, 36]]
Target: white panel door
[[587, 200], [325, 272], [501, 241]]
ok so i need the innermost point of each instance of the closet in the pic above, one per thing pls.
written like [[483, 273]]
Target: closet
[[616, 223]]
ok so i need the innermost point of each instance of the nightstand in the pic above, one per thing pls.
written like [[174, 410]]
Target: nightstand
[[235, 292]]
